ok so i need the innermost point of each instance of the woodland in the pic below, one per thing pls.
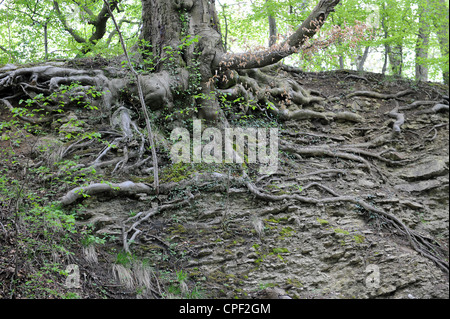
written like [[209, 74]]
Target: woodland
[[92, 205]]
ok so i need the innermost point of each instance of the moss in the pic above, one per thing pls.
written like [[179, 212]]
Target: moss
[[236, 242], [359, 239], [280, 250], [177, 229], [175, 173], [286, 232], [341, 231], [277, 220], [218, 277], [322, 221], [146, 180], [295, 282]]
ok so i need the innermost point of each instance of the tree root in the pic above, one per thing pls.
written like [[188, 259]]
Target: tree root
[[376, 142], [283, 97], [418, 242], [435, 109], [324, 151], [434, 128], [129, 188], [377, 95], [400, 119], [416, 104], [143, 216], [415, 240]]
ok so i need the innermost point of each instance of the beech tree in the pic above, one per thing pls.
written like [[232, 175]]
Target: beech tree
[[178, 37]]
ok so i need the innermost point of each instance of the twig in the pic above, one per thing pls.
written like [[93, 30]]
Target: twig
[[141, 99]]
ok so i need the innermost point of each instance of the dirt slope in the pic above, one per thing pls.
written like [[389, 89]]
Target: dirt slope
[[229, 242]]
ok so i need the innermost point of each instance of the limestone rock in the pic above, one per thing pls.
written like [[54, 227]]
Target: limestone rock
[[432, 167]]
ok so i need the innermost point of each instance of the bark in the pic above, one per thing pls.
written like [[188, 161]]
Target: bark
[[423, 39], [273, 31], [386, 46], [166, 23]]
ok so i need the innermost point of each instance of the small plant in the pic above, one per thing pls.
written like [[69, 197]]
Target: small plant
[[89, 240], [124, 258]]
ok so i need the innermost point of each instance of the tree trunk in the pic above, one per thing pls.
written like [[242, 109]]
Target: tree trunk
[[423, 39], [386, 46], [362, 59], [273, 31], [396, 59], [441, 24], [45, 42], [166, 23]]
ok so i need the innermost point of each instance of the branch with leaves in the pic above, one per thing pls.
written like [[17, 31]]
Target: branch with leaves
[[98, 21]]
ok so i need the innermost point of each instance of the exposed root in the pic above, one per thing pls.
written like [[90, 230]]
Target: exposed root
[[324, 151], [400, 119], [435, 109], [143, 216], [376, 142], [418, 242], [283, 97], [415, 240], [434, 128], [416, 104], [377, 95], [126, 134]]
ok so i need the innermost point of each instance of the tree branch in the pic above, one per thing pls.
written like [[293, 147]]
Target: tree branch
[[101, 20], [66, 26], [305, 31]]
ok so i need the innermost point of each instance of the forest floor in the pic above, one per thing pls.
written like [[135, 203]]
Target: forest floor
[[227, 242]]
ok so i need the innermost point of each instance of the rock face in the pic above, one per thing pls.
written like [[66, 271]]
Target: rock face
[[429, 168], [302, 252], [421, 186], [234, 246]]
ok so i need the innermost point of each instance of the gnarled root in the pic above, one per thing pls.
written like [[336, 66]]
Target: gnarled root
[[124, 132], [282, 96]]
